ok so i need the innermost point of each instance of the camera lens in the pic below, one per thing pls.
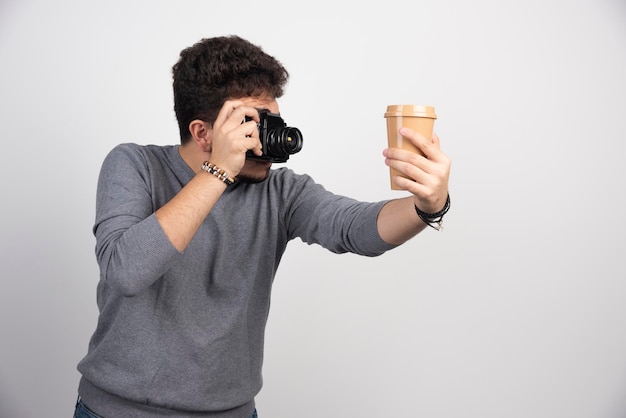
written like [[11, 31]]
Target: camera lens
[[284, 141]]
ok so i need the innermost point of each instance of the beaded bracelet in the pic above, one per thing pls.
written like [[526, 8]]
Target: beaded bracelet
[[434, 220], [217, 172]]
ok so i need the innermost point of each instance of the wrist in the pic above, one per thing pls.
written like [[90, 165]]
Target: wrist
[[217, 172], [434, 219]]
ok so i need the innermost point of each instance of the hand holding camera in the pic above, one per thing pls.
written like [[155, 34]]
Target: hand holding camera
[[278, 141], [243, 133], [230, 139]]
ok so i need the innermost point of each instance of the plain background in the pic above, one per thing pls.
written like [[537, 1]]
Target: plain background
[[516, 309]]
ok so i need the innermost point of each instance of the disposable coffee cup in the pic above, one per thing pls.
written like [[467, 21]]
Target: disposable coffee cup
[[421, 119]]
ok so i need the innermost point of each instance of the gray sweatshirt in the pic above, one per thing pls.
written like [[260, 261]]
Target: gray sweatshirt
[[181, 334]]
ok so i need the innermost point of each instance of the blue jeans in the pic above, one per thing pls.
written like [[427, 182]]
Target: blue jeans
[[83, 412]]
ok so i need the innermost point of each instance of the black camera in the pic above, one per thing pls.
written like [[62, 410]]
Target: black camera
[[278, 141]]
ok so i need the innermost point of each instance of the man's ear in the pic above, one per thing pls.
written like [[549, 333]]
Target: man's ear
[[201, 134]]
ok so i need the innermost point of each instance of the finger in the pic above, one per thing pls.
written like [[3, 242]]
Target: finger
[[250, 129], [411, 186], [417, 167], [249, 133], [428, 147], [409, 170], [425, 187], [436, 140], [244, 114], [410, 157], [231, 123], [226, 110], [417, 139], [258, 151]]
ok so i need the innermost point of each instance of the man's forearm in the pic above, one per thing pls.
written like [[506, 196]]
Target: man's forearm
[[398, 221], [181, 217]]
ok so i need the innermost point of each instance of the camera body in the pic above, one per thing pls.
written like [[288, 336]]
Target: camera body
[[278, 141]]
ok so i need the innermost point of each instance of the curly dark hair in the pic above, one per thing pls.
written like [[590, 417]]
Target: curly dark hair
[[218, 69]]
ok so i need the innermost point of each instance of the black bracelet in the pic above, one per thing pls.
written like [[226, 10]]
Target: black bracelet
[[434, 220]]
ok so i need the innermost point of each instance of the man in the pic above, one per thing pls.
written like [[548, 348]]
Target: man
[[189, 238]]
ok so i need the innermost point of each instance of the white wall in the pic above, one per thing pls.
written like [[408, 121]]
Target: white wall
[[515, 310]]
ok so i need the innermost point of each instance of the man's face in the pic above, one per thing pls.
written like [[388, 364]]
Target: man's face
[[255, 171]]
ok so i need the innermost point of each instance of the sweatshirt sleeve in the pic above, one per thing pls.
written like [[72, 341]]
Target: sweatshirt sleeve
[[337, 223], [131, 247]]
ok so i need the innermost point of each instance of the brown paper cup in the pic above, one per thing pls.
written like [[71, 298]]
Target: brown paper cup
[[419, 118]]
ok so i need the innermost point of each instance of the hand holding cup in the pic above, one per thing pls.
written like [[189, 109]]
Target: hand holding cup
[[416, 162]]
